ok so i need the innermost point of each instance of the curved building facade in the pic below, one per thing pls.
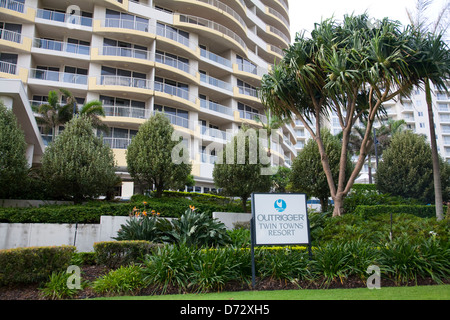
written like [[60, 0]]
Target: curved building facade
[[198, 61]]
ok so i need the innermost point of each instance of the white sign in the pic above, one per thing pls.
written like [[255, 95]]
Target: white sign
[[280, 219]]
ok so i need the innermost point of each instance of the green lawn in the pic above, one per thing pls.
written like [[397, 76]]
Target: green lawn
[[438, 292]]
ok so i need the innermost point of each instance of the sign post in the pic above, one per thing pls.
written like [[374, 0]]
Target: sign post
[[278, 219]]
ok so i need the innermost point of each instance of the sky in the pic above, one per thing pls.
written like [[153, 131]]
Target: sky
[[304, 13]]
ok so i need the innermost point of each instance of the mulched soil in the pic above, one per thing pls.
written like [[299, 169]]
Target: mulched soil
[[90, 273]]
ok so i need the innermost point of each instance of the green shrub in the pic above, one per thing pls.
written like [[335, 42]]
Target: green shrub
[[143, 227], [118, 253], [92, 211], [126, 280], [417, 210], [33, 264], [171, 265], [196, 229], [56, 287]]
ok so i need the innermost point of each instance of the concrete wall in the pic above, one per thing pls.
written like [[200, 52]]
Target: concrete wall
[[83, 236]]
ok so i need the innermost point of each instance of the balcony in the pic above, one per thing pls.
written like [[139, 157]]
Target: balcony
[[177, 121], [215, 133], [70, 20], [6, 67], [252, 116], [12, 5], [215, 58], [117, 143], [127, 112], [174, 91], [125, 82], [61, 46], [126, 24], [47, 75], [216, 82], [10, 36], [205, 104]]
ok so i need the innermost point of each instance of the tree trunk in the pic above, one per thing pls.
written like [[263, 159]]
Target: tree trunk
[[435, 156], [244, 203], [324, 204], [338, 205]]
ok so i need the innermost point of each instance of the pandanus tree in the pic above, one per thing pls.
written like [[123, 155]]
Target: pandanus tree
[[350, 68], [433, 67]]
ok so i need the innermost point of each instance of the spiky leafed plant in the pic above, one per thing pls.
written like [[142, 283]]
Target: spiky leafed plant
[[350, 68]]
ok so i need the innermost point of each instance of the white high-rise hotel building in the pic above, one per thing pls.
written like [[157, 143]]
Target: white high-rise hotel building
[[199, 61]]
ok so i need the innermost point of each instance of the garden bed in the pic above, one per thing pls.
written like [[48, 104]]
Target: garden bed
[[90, 273]]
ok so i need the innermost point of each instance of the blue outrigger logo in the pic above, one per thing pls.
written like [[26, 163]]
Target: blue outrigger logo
[[280, 205]]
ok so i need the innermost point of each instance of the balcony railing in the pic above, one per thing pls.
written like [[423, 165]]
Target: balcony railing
[[64, 17], [58, 76], [117, 143], [128, 112], [177, 121], [61, 46], [12, 5], [252, 116], [173, 35], [126, 24], [215, 133], [10, 36], [216, 58], [7, 67], [125, 82], [175, 91], [212, 25], [215, 82], [125, 52], [215, 107], [248, 91], [169, 61]]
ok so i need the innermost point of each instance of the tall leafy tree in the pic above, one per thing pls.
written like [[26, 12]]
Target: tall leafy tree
[[78, 165], [350, 68], [52, 114], [155, 159], [433, 67], [93, 110], [13, 162], [307, 173], [407, 169], [240, 169]]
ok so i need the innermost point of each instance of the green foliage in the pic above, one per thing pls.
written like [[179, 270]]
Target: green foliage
[[196, 229], [169, 266], [78, 164], [126, 280], [32, 264], [241, 171], [407, 169], [56, 287], [417, 210], [307, 174], [143, 227], [153, 158], [118, 253], [13, 162]]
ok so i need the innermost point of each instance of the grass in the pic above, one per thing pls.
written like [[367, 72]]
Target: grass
[[438, 292]]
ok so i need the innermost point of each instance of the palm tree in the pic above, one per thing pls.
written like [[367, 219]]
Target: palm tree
[[93, 110], [273, 123], [348, 68], [52, 114], [433, 67]]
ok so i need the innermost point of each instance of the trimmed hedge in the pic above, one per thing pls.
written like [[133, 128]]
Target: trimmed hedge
[[417, 210], [91, 212], [114, 254], [33, 264]]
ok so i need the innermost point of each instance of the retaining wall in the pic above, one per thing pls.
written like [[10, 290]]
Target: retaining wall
[[83, 236]]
